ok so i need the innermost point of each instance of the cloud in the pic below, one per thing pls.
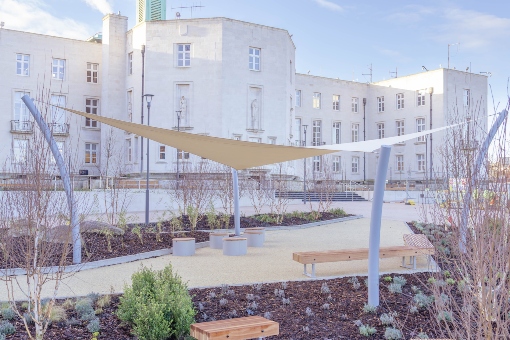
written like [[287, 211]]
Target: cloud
[[102, 6], [329, 5], [32, 16]]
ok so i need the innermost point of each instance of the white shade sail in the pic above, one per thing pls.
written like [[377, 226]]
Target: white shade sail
[[239, 154]]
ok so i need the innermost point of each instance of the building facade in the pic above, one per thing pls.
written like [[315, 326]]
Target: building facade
[[218, 77]]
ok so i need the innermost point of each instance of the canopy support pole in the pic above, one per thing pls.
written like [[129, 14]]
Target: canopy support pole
[[237, 217], [64, 174], [375, 226]]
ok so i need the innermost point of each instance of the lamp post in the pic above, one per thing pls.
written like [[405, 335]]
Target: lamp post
[[148, 98], [304, 167], [179, 152], [430, 91]]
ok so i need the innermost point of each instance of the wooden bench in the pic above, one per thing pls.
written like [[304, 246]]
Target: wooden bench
[[235, 329], [415, 245]]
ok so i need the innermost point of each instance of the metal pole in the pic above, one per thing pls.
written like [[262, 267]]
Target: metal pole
[[375, 226], [364, 130], [64, 173], [179, 152], [237, 217], [142, 96], [147, 180], [480, 158], [304, 169], [430, 118]]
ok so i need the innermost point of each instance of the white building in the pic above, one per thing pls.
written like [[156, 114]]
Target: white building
[[219, 77]]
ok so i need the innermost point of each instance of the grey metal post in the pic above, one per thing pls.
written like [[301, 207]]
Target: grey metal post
[[63, 173], [179, 152], [304, 168], [141, 122], [237, 218], [149, 100], [375, 226], [476, 170]]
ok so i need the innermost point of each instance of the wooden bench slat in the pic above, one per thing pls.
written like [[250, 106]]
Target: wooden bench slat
[[235, 329]]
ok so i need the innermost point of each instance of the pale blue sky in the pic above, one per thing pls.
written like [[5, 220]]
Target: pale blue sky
[[333, 38]]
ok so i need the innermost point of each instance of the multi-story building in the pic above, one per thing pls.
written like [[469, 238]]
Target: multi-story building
[[219, 77]]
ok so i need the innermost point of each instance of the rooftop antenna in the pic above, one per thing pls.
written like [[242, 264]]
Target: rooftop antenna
[[449, 52], [369, 74], [177, 15], [394, 73], [190, 7]]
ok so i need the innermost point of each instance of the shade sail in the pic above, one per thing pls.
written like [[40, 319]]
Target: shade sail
[[239, 154]]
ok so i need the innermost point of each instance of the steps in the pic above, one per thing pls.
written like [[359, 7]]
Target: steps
[[345, 196]]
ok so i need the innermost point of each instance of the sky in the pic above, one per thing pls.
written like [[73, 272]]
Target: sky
[[333, 38]]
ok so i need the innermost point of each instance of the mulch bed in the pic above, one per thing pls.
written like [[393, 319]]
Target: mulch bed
[[336, 322]]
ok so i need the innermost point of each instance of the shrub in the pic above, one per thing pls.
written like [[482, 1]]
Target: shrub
[[8, 313], [369, 309], [93, 326], [2, 336], [28, 318], [366, 330], [93, 297], [68, 304], [268, 315], [84, 309], [388, 318], [309, 312], [400, 280], [450, 281], [355, 283], [422, 335], [157, 305], [337, 212], [7, 328], [57, 314], [392, 334], [421, 300], [395, 288], [388, 278], [325, 288], [104, 301], [444, 316]]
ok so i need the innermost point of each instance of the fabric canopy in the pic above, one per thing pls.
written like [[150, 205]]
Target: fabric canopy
[[239, 154]]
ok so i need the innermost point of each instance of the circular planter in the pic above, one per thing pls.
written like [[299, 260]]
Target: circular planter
[[184, 246], [257, 229], [255, 238], [216, 240], [235, 246]]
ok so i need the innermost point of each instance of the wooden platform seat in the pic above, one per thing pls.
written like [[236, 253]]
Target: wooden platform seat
[[249, 327], [415, 246]]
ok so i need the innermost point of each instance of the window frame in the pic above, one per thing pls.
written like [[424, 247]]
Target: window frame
[[317, 132], [420, 126], [420, 98], [162, 152], [298, 98], [316, 163], [336, 102], [58, 70], [21, 156], [92, 73], [130, 63], [337, 133], [400, 127], [380, 130], [380, 104], [183, 56], [466, 97], [337, 161], [355, 105], [91, 153], [316, 100], [399, 163], [399, 97], [354, 132], [91, 109], [23, 65], [420, 162], [129, 149], [254, 59], [355, 164], [182, 155]]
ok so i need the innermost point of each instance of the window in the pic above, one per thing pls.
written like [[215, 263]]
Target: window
[[316, 132], [254, 140], [162, 152], [380, 104], [254, 59], [91, 107], [58, 116], [420, 126], [337, 127], [380, 130], [466, 97], [183, 55], [60, 146], [336, 163], [354, 105], [22, 64], [130, 105], [421, 97], [91, 153], [272, 140], [130, 63], [400, 162], [336, 102], [420, 162], [316, 163], [20, 150], [355, 164], [129, 154], [182, 154], [354, 132], [135, 151], [400, 127], [298, 131], [316, 100], [237, 137], [92, 70], [400, 101], [58, 69], [21, 114], [298, 98]]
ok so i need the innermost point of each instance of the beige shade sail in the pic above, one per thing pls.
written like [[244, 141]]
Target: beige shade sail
[[239, 154]]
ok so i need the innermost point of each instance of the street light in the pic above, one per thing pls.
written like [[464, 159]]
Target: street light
[[179, 152], [304, 167], [148, 98]]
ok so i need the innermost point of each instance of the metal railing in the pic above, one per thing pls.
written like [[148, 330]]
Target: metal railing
[[22, 126], [59, 129]]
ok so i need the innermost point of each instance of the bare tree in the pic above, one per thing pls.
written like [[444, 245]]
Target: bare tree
[[256, 189], [471, 294], [35, 232], [323, 186], [282, 186]]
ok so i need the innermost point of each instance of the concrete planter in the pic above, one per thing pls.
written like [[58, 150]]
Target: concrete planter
[[255, 238], [216, 240], [183, 246], [235, 246]]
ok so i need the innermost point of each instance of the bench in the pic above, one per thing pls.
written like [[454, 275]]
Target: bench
[[235, 329], [415, 245]]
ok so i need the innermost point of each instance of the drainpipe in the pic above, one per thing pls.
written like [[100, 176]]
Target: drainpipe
[[143, 83], [364, 139]]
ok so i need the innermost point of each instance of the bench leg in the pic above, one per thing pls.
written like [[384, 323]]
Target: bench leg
[[313, 271], [414, 262], [403, 261]]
